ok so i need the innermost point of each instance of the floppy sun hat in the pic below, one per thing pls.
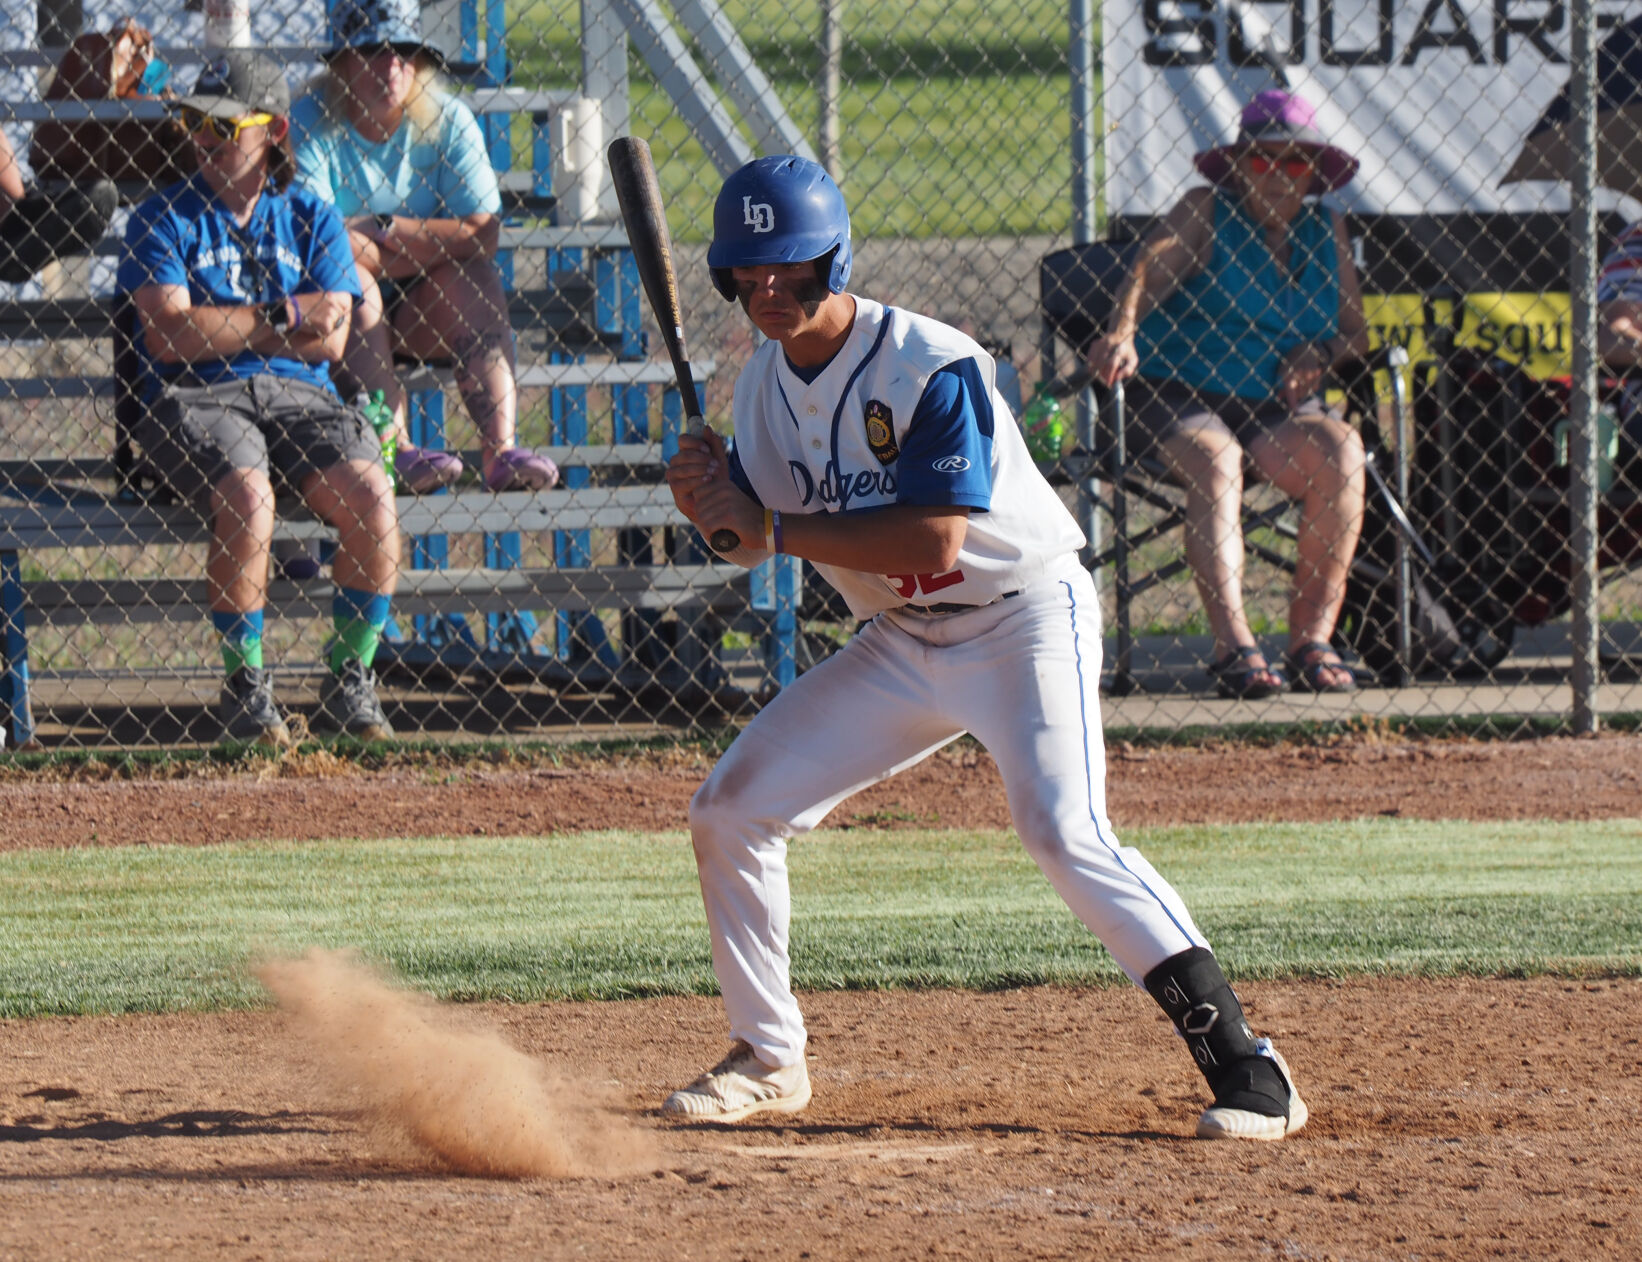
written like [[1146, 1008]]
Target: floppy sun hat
[[370, 24], [1281, 120]]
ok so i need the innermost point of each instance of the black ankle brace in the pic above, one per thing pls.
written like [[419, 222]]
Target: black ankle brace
[[1195, 994]]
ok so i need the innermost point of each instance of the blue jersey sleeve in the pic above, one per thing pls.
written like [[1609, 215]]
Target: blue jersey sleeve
[[738, 475], [150, 254], [330, 268], [946, 455]]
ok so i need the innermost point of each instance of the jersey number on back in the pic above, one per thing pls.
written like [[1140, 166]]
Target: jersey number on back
[[909, 585]]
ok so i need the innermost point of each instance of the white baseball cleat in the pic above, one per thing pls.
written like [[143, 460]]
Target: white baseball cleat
[[1219, 1123], [739, 1086]]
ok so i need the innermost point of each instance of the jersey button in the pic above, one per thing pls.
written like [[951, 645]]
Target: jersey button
[[812, 411], [816, 443]]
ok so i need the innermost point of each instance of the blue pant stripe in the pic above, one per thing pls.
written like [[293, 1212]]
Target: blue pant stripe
[[1089, 776]]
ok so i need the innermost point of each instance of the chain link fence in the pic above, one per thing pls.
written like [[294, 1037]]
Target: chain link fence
[[555, 590], [1440, 143]]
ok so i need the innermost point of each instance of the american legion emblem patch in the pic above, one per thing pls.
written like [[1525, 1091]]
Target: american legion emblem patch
[[881, 432]]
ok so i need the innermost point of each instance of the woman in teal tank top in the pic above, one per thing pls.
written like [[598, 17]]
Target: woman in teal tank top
[[1234, 309]]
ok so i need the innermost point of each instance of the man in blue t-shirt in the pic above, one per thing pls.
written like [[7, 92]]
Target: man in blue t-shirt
[[243, 288]]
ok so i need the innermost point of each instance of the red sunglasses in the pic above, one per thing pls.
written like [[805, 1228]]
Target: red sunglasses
[[1294, 168]]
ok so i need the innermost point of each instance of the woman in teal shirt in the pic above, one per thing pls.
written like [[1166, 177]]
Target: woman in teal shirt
[[1234, 309], [406, 164]]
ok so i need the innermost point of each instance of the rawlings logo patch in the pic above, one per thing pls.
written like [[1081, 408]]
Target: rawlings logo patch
[[881, 432]]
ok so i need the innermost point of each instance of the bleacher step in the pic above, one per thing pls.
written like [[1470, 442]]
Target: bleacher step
[[110, 525], [479, 100], [475, 590], [427, 377]]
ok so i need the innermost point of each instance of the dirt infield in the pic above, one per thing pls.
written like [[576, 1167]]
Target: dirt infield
[[304, 799], [1450, 1119]]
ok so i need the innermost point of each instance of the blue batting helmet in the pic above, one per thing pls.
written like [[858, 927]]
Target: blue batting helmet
[[782, 209]]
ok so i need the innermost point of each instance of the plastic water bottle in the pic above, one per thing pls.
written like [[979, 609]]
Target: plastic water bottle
[[1044, 424], [1607, 445], [380, 415]]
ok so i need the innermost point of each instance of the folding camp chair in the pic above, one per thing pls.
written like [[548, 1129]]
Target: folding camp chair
[[1078, 287]]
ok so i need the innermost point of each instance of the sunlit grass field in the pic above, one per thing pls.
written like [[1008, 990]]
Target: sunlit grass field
[[953, 116], [609, 916]]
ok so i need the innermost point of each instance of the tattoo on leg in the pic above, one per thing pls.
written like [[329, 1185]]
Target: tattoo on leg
[[474, 351], [484, 376]]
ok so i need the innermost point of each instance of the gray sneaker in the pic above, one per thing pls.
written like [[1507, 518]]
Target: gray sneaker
[[248, 709], [348, 704], [739, 1086]]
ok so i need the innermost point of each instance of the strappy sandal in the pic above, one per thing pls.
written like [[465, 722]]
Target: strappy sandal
[[1237, 679], [1308, 662]]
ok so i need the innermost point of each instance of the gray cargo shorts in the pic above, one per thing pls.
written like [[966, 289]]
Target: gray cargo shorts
[[196, 435]]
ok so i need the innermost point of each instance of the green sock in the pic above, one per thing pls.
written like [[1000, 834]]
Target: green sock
[[359, 617], [241, 638], [355, 637], [245, 653]]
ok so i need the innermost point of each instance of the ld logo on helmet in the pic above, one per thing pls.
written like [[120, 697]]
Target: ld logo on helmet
[[759, 216], [881, 431]]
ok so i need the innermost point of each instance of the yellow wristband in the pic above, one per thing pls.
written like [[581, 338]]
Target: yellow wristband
[[769, 531]]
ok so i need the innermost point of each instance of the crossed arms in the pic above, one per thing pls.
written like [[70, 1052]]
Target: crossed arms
[[175, 331]]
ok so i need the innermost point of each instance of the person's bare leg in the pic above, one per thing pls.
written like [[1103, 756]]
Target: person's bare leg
[[354, 497], [236, 568], [458, 312], [1317, 461], [367, 364], [242, 526], [1207, 461], [367, 360]]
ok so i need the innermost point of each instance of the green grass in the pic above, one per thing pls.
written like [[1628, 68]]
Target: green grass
[[953, 117], [609, 916]]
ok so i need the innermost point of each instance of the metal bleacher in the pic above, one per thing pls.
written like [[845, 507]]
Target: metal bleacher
[[605, 554]]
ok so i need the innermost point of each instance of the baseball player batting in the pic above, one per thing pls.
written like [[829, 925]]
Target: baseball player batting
[[873, 443]]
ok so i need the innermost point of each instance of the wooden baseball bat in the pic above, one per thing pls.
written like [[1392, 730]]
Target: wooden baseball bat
[[639, 194]]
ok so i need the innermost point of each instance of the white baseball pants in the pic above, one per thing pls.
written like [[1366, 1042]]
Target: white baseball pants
[[1022, 675]]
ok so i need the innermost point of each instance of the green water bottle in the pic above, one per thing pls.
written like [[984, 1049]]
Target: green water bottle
[[380, 415], [1044, 424]]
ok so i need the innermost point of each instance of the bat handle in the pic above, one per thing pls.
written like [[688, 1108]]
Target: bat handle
[[722, 540]]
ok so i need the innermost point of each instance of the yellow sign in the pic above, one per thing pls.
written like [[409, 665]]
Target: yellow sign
[[1526, 329]]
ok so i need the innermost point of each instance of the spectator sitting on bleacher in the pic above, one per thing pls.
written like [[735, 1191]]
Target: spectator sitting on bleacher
[[406, 163], [1233, 311], [39, 226], [243, 288]]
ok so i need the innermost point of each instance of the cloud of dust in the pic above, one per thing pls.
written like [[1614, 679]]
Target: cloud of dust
[[460, 1093]]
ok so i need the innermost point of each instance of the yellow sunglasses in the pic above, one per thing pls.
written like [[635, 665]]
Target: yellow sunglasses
[[224, 128]]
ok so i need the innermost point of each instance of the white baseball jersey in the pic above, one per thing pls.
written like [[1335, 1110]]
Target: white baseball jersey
[[841, 443], [1022, 673]]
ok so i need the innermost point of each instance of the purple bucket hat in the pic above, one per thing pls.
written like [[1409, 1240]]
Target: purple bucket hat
[[1277, 117]]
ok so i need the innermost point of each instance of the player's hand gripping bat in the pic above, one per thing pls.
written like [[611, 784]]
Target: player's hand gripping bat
[[639, 194]]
